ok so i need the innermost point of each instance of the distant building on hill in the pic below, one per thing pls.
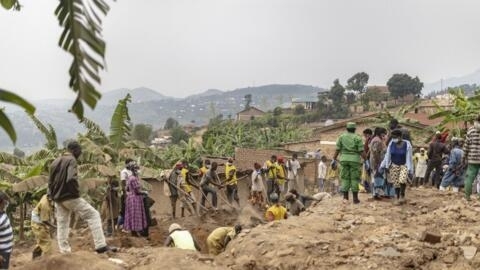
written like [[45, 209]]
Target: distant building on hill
[[249, 114], [308, 103]]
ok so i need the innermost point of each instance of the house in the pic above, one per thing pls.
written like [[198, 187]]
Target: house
[[249, 114], [308, 103]]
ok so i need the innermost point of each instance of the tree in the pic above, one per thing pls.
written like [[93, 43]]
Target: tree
[[337, 93], [142, 132], [401, 85], [248, 100], [82, 38], [18, 153], [299, 109], [277, 111], [178, 135], [358, 82], [350, 98], [171, 123]]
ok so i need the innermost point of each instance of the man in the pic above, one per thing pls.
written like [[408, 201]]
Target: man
[[270, 168], [281, 176], [231, 182], [41, 224], [471, 150], [350, 148], [218, 240], [435, 153], [367, 136], [6, 233], [210, 177], [180, 238], [124, 175], [187, 197], [454, 174], [63, 187], [172, 182], [276, 211], [295, 206], [322, 173], [293, 165]]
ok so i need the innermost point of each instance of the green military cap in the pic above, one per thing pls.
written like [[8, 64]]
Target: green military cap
[[351, 125]]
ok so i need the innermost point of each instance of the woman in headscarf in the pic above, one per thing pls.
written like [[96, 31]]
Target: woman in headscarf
[[135, 216], [398, 162], [377, 153], [257, 189]]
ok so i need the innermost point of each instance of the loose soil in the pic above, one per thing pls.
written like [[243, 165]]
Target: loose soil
[[329, 235]]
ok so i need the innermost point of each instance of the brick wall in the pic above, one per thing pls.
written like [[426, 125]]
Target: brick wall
[[305, 146], [246, 157]]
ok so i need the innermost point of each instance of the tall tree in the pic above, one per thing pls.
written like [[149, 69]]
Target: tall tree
[[142, 132], [82, 39], [178, 135], [337, 93], [358, 82], [171, 123], [401, 85]]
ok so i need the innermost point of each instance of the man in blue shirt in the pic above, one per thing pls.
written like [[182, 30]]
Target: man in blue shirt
[[454, 175]]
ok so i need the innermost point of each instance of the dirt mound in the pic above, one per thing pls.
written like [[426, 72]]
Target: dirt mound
[[81, 260], [372, 235]]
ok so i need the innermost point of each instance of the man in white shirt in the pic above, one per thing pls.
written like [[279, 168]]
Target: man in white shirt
[[293, 165], [124, 175], [322, 173]]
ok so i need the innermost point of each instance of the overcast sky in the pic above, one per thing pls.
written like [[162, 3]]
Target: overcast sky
[[182, 47]]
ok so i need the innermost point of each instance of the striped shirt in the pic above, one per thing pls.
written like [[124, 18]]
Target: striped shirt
[[6, 233], [472, 146]]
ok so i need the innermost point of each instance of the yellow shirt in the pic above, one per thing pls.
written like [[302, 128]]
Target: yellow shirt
[[42, 212], [185, 186], [278, 212], [280, 172], [203, 170], [218, 235], [231, 170], [272, 172]]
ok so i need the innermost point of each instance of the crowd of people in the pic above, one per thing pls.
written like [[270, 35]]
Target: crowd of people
[[384, 162]]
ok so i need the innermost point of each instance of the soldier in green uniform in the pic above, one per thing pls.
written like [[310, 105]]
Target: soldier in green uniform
[[350, 148]]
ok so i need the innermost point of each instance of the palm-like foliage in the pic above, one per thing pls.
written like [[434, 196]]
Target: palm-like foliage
[[48, 132], [5, 123], [82, 38], [465, 110], [120, 126]]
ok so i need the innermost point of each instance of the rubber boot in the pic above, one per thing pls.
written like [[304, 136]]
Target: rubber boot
[[183, 212], [173, 214], [355, 198], [194, 206], [37, 252], [345, 197]]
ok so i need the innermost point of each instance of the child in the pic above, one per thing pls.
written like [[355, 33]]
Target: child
[[332, 178], [6, 233], [322, 173]]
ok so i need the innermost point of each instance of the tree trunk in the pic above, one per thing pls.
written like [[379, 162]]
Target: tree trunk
[[21, 233]]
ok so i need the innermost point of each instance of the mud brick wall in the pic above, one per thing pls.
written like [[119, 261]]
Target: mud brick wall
[[245, 157], [305, 146]]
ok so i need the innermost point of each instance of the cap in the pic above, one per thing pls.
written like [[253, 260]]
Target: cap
[[422, 149], [274, 197], [351, 125], [174, 227]]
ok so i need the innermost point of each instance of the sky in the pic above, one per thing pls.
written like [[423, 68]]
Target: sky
[[183, 47]]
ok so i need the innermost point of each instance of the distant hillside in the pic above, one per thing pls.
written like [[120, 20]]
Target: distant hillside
[[141, 94], [473, 78], [151, 107]]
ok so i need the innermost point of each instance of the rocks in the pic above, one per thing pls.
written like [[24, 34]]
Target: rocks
[[286, 252], [430, 237], [450, 258], [388, 252], [369, 220], [469, 252]]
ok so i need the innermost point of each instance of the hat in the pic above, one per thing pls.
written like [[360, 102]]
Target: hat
[[179, 166], [280, 159], [289, 196], [422, 149], [274, 197], [174, 227], [351, 125]]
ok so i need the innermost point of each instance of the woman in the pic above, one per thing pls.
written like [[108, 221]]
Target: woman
[[398, 161], [377, 153], [135, 216], [257, 186]]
